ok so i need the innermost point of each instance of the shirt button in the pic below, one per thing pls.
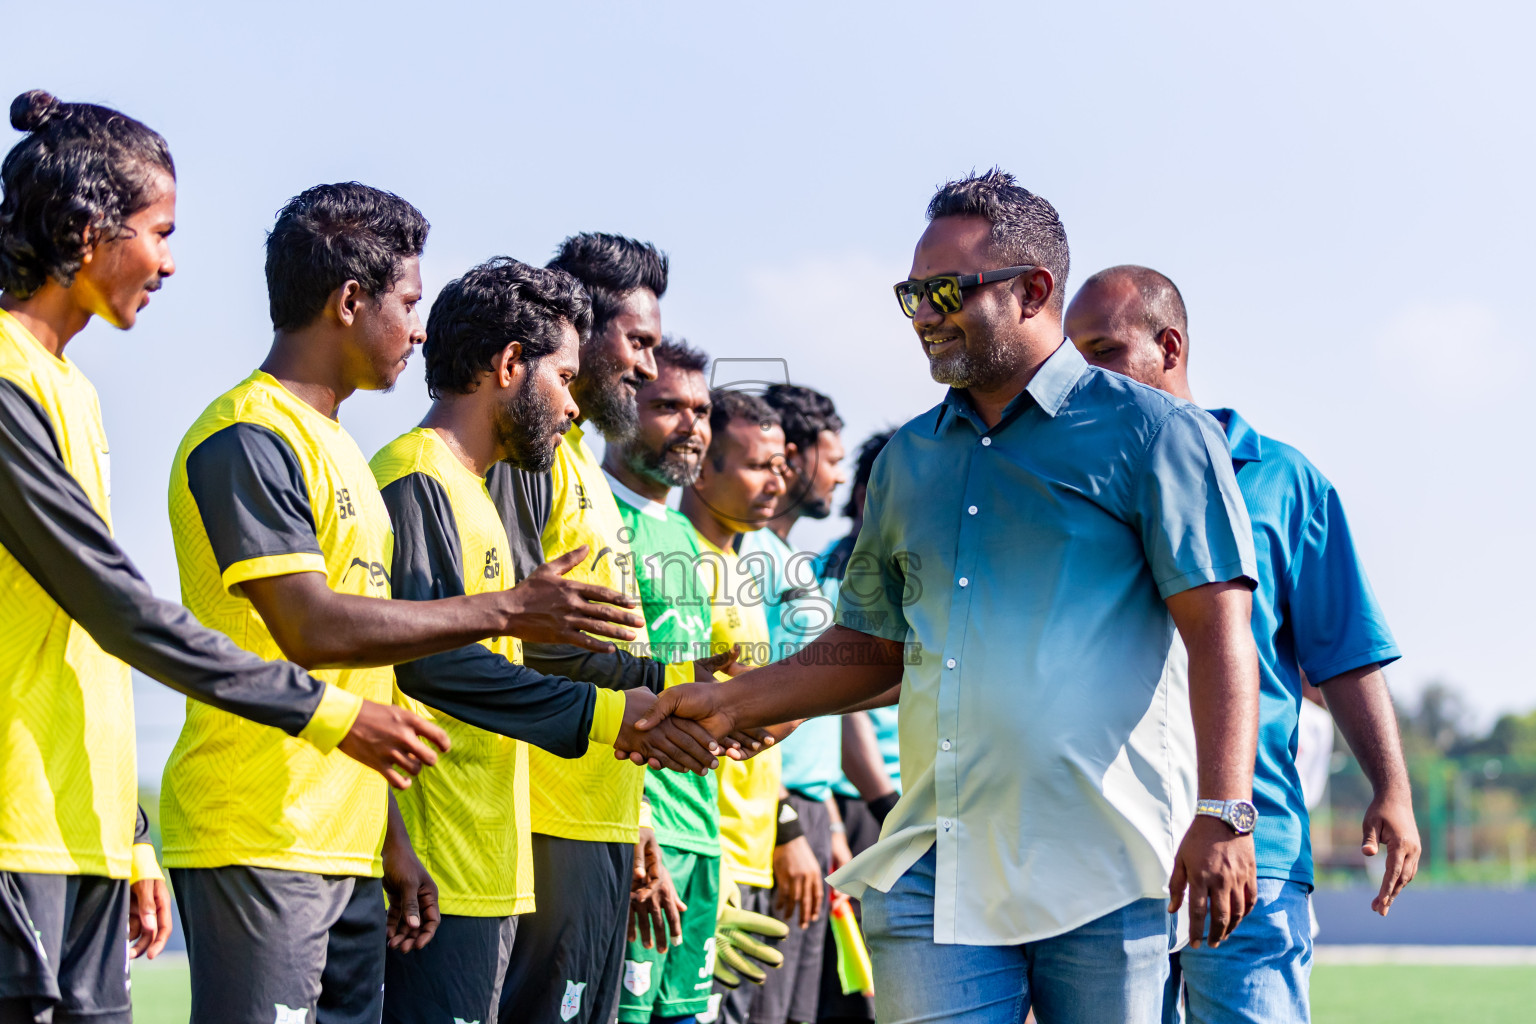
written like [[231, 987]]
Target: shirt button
[[972, 510], [986, 442], [964, 582], [945, 745], [950, 663], [947, 824]]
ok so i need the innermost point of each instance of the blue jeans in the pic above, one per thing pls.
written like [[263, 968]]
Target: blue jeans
[[1109, 971], [1260, 974]]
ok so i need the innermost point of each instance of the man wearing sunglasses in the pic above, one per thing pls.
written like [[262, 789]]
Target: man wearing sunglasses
[[1029, 547]]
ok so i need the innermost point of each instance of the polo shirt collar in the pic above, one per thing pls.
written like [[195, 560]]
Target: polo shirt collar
[[1048, 389], [1246, 443], [634, 499]]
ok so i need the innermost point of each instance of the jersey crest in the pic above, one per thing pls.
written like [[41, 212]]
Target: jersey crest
[[570, 1004], [637, 976]]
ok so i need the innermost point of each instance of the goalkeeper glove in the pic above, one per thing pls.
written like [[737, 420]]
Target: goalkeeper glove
[[737, 953]]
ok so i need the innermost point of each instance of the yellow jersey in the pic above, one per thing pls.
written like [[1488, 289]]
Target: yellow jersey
[[595, 797], [67, 748], [468, 818], [749, 790], [263, 485]]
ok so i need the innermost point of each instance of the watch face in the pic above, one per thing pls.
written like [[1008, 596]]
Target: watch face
[[1242, 815]]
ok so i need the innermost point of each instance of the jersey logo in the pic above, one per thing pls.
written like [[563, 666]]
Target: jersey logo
[[492, 564], [570, 1005], [378, 576], [712, 1013], [582, 501], [288, 1015], [344, 509], [637, 976]]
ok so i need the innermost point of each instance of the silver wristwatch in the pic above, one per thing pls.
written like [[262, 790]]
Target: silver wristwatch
[[1240, 815]]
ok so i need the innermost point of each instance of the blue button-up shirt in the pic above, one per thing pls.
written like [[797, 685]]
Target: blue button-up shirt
[[1044, 739], [1313, 611]]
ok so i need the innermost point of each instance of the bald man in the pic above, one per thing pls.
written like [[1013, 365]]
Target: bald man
[[1314, 617]]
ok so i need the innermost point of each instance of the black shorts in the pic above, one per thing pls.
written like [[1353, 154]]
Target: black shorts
[[64, 948], [793, 992], [290, 946], [456, 976], [569, 954]]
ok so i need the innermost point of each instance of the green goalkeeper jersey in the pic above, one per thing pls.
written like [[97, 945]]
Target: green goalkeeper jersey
[[684, 807]]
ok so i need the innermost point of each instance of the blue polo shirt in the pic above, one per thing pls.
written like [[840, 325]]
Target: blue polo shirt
[[1313, 612]]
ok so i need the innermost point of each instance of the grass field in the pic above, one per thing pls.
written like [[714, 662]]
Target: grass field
[[1401, 994]]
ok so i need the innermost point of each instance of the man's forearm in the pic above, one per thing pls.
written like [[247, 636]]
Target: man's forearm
[[862, 763], [841, 668], [1223, 686], [881, 700], [1362, 706], [319, 628], [476, 685]]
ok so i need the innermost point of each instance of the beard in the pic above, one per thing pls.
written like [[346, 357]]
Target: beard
[[985, 365], [524, 425], [607, 396], [669, 466], [816, 508]]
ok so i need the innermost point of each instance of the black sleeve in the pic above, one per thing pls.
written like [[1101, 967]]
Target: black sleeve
[[473, 683], [524, 501], [48, 524], [619, 670], [251, 495], [141, 827]]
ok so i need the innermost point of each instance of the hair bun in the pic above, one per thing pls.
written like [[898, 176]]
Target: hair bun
[[34, 109]]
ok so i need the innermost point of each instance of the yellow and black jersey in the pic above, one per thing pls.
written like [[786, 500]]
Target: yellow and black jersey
[[749, 790], [263, 486], [595, 798], [73, 613], [469, 816]]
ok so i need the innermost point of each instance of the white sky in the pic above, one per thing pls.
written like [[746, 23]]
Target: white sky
[[1341, 191]]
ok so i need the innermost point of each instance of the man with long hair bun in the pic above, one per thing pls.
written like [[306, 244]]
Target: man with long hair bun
[[87, 206]]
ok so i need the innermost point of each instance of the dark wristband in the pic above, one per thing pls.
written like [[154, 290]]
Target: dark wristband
[[881, 806], [790, 828]]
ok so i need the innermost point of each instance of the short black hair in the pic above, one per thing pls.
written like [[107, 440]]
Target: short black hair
[[868, 452], [1162, 304], [331, 234], [611, 266], [494, 304], [804, 412], [1025, 228], [728, 405], [81, 171], [678, 354]]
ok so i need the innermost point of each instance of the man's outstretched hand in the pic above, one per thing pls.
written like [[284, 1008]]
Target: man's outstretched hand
[[699, 708], [388, 739], [547, 608], [1217, 866], [677, 744]]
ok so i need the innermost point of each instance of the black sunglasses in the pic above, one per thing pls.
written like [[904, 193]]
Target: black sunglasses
[[945, 292]]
